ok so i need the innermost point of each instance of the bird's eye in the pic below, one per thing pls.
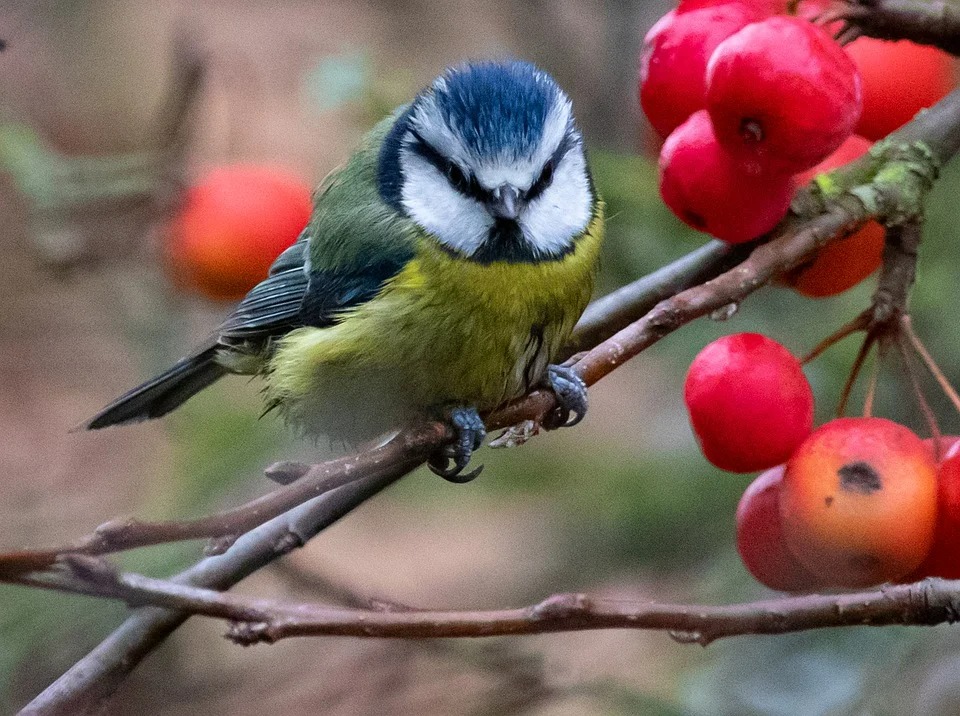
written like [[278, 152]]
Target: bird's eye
[[542, 182], [546, 176], [458, 180]]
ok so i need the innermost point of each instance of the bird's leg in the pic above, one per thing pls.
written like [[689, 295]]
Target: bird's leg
[[571, 394], [450, 460]]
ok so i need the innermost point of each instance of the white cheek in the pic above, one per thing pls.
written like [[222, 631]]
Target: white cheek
[[455, 220], [563, 210]]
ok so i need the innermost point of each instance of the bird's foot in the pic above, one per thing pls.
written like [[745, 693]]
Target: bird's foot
[[571, 394], [449, 461]]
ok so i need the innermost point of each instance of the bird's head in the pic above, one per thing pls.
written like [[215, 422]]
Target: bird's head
[[488, 160]]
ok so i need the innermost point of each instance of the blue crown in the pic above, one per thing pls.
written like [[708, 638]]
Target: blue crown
[[498, 108]]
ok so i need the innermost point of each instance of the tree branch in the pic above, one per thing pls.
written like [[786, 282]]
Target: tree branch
[[934, 23], [926, 603]]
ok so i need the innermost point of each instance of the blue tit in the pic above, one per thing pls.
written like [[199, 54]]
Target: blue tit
[[443, 268]]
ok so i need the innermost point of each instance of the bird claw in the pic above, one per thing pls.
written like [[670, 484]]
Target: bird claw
[[450, 461], [571, 394]]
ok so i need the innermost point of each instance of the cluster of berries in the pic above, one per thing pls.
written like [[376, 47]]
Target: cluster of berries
[[854, 503], [764, 97], [754, 100]]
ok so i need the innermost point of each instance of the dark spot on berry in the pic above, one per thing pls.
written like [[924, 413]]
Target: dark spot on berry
[[863, 562], [751, 130], [695, 220], [859, 477], [828, 501]]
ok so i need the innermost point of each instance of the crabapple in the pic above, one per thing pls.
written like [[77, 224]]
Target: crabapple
[[235, 221], [749, 402], [760, 540], [708, 190], [845, 263], [782, 94], [899, 79], [859, 502], [673, 61]]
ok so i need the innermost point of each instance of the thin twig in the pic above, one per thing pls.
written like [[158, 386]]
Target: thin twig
[[926, 603], [942, 380]]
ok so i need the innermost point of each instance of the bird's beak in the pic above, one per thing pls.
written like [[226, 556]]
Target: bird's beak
[[505, 202]]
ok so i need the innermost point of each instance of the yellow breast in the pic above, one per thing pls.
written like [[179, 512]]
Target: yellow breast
[[443, 330]]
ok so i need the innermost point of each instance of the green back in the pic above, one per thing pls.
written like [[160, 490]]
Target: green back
[[352, 227]]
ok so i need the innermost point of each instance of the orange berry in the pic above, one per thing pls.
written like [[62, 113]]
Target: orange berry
[[844, 263], [859, 502], [234, 223], [899, 79]]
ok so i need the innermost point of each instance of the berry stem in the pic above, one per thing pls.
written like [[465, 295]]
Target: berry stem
[[860, 323], [855, 372], [904, 345], [906, 326], [872, 386]]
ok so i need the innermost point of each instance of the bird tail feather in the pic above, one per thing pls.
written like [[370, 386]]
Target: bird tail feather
[[159, 396]]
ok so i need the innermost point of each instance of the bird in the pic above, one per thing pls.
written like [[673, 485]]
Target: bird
[[443, 268]]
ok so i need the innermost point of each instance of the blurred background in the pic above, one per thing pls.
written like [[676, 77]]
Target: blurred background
[[95, 155]]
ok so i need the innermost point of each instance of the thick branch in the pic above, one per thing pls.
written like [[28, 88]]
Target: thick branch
[[926, 603], [934, 23], [398, 457]]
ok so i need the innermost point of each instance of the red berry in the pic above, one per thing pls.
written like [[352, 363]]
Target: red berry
[[859, 502], [782, 94], [760, 540], [232, 226], [899, 79], [944, 557], [673, 61], [708, 190], [749, 402], [844, 263]]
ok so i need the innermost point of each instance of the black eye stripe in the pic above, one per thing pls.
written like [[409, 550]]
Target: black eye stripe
[[463, 182], [546, 174], [467, 184]]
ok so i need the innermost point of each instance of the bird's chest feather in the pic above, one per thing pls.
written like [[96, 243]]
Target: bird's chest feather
[[443, 330], [485, 333]]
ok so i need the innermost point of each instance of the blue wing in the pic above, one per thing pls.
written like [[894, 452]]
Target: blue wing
[[294, 295]]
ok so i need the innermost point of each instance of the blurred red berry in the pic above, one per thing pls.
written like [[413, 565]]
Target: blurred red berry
[[760, 539], [749, 402], [708, 190], [899, 79], [844, 263], [782, 94], [234, 222], [673, 61], [944, 557]]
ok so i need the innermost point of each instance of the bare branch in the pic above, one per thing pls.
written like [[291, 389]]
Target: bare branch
[[926, 603], [934, 23]]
